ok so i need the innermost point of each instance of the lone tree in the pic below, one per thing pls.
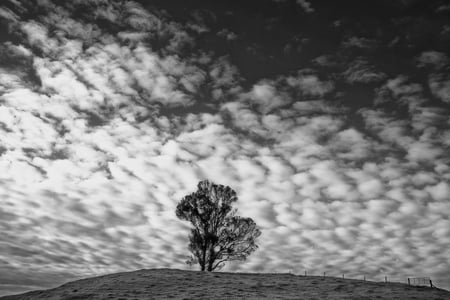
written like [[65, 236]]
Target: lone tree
[[219, 235]]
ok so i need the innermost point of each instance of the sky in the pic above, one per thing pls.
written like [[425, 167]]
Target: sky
[[330, 119]]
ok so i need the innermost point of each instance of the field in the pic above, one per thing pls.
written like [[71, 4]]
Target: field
[[178, 284]]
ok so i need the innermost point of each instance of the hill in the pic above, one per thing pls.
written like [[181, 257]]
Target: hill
[[179, 284]]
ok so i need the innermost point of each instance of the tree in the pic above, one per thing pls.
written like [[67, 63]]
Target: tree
[[219, 235]]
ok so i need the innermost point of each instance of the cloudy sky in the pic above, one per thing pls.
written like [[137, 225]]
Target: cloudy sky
[[330, 119]]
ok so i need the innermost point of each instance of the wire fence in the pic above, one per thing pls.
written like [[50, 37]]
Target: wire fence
[[411, 281], [420, 281]]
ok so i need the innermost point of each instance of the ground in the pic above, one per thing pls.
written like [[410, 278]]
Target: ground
[[179, 284]]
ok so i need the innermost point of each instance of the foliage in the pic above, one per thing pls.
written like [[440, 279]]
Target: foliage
[[219, 235]]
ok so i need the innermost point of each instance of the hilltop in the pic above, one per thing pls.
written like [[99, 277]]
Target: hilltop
[[180, 284]]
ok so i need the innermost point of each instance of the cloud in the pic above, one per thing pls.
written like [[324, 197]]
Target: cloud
[[438, 81], [371, 188], [305, 5], [229, 35], [266, 96], [140, 19], [359, 42], [439, 191], [443, 8], [421, 151], [432, 58], [6, 13], [359, 71], [109, 118], [324, 60], [310, 84], [37, 35], [440, 87], [351, 144], [400, 90], [400, 87]]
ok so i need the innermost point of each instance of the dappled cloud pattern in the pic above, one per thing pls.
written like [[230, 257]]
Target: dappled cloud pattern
[[112, 111]]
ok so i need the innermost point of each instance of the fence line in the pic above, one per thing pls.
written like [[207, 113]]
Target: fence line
[[420, 281], [411, 281]]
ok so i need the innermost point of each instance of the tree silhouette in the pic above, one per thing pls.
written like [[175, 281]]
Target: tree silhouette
[[219, 235]]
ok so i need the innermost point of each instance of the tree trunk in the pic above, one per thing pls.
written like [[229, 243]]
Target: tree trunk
[[211, 259], [203, 260]]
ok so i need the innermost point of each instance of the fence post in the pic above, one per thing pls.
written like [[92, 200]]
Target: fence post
[[343, 276], [431, 283], [385, 278], [409, 283], [323, 274]]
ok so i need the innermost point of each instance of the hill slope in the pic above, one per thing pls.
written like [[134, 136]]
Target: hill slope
[[178, 284]]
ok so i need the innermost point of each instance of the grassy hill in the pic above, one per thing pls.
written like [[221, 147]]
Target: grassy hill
[[178, 284]]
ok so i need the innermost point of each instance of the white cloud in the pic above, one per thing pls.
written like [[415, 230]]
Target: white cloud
[[351, 144], [395, 133], [38, 36], [57, 79], [423, 178], [266, 96], [360, 71], [434, 58], [399, 86], [440, 87], [6, 13], [421, 151], [317, 182], [371, 188], [440, 191], [310, 85]]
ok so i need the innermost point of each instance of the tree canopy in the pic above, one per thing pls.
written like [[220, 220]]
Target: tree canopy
[[218, 234]]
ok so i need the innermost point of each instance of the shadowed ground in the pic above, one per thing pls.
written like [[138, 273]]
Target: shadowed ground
[[178, 284]]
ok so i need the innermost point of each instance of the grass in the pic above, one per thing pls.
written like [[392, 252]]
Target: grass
[[179, 284]]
